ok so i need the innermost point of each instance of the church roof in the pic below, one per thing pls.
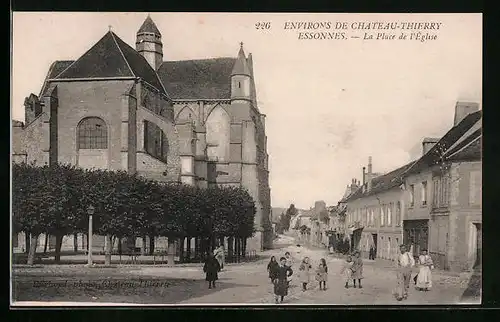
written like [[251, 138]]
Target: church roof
[[197, 79], [55, 69], [112, 57], [149, 26]]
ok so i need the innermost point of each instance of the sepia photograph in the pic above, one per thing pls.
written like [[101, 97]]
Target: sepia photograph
[[258, 159]]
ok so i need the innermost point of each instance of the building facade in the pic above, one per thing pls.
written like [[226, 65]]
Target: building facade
[[444, 212], [375, 213], [120, 108]]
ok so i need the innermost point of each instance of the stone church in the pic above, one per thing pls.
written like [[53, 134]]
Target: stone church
[[120, 108]]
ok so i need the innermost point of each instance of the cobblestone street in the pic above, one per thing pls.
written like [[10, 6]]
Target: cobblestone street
[[249, 283]]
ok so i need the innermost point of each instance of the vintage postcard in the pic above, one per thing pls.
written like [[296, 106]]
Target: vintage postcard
[[196, 159]]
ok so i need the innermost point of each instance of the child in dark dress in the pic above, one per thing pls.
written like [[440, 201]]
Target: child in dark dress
[[272, 268], [211, 268], [280, 282]]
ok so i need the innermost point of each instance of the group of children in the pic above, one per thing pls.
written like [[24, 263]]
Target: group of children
[[280, 274], [352, 269]]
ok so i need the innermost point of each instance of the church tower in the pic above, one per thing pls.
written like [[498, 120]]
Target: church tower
[[148, 43], [240, 78]]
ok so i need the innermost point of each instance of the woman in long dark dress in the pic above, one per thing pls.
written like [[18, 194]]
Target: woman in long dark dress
[[211, 268], [272, 268], [281, 281]]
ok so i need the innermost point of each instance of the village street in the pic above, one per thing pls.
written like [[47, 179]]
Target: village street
[[246, 283]]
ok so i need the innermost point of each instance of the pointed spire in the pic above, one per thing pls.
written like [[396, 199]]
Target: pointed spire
[[241, 64], [149, 26]]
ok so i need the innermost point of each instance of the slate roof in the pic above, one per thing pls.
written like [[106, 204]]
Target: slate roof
[[382, 183], [55, 69], [112, 57], [433, 156], [149, 26], [185, 79], [198, 79], [474, 136], [471, 152]]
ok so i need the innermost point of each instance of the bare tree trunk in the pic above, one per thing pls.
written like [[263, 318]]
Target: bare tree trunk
[[171, 251], [143, 248], [32, 251], [120, 246], [196, 247], [46, 242], [181, 249], [27, 242], [243, 247], [238, 249], [151, 245], [107, 251], [57, 256], [230, 248], [188, 249], [75, 243]]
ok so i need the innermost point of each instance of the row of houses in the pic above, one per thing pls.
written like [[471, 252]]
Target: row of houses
[[431, 203]]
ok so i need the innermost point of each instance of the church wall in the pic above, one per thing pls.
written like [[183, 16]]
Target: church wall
[[78, 100], [149, 165], [35, 141], [18, 149], [186, 112], [187, 143], [218, 127], [240, 111]]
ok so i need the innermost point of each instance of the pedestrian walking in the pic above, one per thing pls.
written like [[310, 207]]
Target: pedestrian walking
[[288, 263], [346, 270], [219, 255], [283, 272], [211, 268], [272, 268], [322, 274], [305, 273], [357, 269], [404, 263], [424, 277], [373, 251]]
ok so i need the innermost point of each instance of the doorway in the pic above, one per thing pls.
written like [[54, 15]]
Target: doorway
[[416, 234], [375, 240]]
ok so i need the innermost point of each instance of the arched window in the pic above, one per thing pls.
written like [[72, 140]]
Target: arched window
[[92, 134]]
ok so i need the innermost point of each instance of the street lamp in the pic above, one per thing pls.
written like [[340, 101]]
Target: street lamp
[[90, 212]]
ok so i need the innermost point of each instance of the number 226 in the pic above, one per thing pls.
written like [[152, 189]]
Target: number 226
[[263, 25]]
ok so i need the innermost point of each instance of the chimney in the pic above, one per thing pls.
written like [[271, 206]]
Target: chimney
[[369, 165], [364, 175], [428, 143], [462, 109]]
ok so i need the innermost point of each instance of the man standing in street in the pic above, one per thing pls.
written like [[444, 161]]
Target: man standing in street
[[405, 262]]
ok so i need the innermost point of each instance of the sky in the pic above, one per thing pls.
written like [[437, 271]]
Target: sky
[[329, 104]]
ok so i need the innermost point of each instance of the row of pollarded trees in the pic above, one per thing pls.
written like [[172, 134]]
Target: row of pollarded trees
[[54, 200]]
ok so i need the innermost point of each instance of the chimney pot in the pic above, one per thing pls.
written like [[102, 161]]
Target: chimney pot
[[462, 109]]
